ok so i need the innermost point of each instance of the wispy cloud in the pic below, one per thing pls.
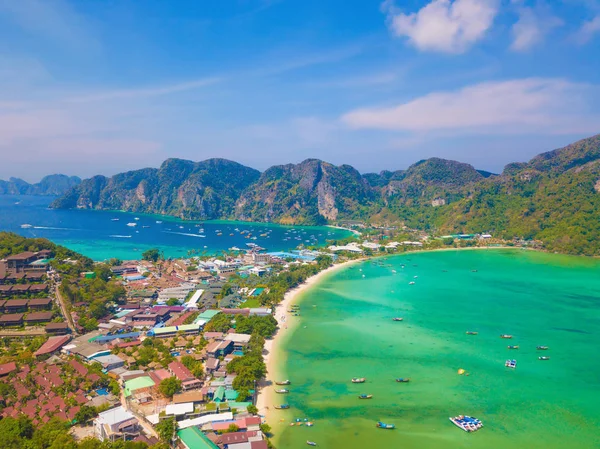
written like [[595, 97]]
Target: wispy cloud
[[146, 92], [443, 25], [515, 106], [588, 30], [532, 27]]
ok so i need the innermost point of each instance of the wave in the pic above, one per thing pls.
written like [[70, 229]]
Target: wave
[[120, 236], [185, 233]]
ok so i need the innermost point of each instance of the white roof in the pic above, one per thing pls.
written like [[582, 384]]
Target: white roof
[[205, 420], [153, 419], [237, 338], [109, 359], [179, 409], [194, 299], [114, 416]]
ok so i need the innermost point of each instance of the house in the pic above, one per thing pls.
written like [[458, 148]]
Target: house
[[212, 364], [15, 305], [116, 424], [7, 368], [57, 328], [38, 288], [218, 349], [240, 341], [196, 397], [179, 410], [52, 345], [38, 317], [110, 362], [40, 304], [188, 381], [12, 319], [17, 262], [2, 302], [5, 290]]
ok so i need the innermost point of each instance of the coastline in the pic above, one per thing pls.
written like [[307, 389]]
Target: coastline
[[271, 355]]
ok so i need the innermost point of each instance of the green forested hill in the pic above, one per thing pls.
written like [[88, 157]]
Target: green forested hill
[[555, 197]]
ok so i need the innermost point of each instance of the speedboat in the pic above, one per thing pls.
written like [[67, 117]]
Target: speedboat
[[411, 283], [512, 347], [283, 382], [132, 225], [282, 406], [282, 391], [402, 379], [397, 319], [358, 380], [544, 358], [311, 443], [510, 363], [542, 348], [382, 425], [158, 222], [114, 219], [26, 226], [506, 336], [467, 423], [472, 333], [365, 396]]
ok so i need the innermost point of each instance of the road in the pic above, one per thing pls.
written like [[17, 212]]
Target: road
[[64, 310]]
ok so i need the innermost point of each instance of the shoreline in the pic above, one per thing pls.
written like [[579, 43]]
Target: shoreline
[[264, 398]]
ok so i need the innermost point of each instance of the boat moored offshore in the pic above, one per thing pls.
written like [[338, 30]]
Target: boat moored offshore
[[508, 336], [467, 423], [283, 382], [282, 406], [402, 379], [365, 396], [382, 425], [544, 358], [358, 380], [542, 348], [282, 391]]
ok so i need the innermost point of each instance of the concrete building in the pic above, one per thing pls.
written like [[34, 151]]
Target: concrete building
[[116, 424]]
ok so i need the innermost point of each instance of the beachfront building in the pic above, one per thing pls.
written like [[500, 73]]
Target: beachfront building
[[350, 247]]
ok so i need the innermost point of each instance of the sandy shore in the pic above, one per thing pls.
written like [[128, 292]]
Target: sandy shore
[[286, 323]]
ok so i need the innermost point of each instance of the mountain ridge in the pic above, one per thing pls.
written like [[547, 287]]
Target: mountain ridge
[[54, 185], [527, 199]]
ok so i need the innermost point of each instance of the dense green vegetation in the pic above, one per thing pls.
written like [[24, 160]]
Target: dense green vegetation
[[11, 243], [250, 368], [169, 387], [552, 198], [20, 433]]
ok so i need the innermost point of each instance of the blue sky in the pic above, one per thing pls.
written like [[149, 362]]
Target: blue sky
[[93, 86]]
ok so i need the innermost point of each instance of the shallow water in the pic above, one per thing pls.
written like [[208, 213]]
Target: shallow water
[[104, 234], [540, 299]]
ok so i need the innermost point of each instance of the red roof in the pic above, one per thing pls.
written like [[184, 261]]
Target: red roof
[[253, 421], [7, 368], [262, 444], [53, 344], [234, 437], [82, 370], [180, 371]]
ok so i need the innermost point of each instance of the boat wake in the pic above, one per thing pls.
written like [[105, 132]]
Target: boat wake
[[120, 236], [185, 233], [54, 229]]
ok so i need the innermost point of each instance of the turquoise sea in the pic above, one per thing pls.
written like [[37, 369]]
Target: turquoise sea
[[105, 234], [346, 330]]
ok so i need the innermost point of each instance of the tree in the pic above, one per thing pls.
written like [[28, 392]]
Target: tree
[[170, 386], [252, 409], [166, 430], [114, 387], [195, 366], [85, 414], [172, 302], [152, 255], [232, 428], [265, 428]]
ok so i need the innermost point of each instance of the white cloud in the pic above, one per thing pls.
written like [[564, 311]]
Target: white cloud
[[515, 106], [588, 30], [145, 92], [532, 27], [443, 25]]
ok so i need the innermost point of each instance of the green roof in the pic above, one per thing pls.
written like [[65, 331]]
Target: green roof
[[208, 314], [231, 395], [219, 394], [193, 438], [239, 406], [170, 329], [136, 384]]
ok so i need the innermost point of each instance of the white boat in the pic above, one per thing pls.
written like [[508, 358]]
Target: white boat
[[411, 283], [114, 219], [26, 226], [158, 222], [132, 225], [136, 218]]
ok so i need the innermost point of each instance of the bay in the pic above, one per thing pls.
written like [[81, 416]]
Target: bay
[[105, 234], [346, 330]]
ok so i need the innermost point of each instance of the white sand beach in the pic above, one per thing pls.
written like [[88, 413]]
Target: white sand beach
[[286, 323]]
